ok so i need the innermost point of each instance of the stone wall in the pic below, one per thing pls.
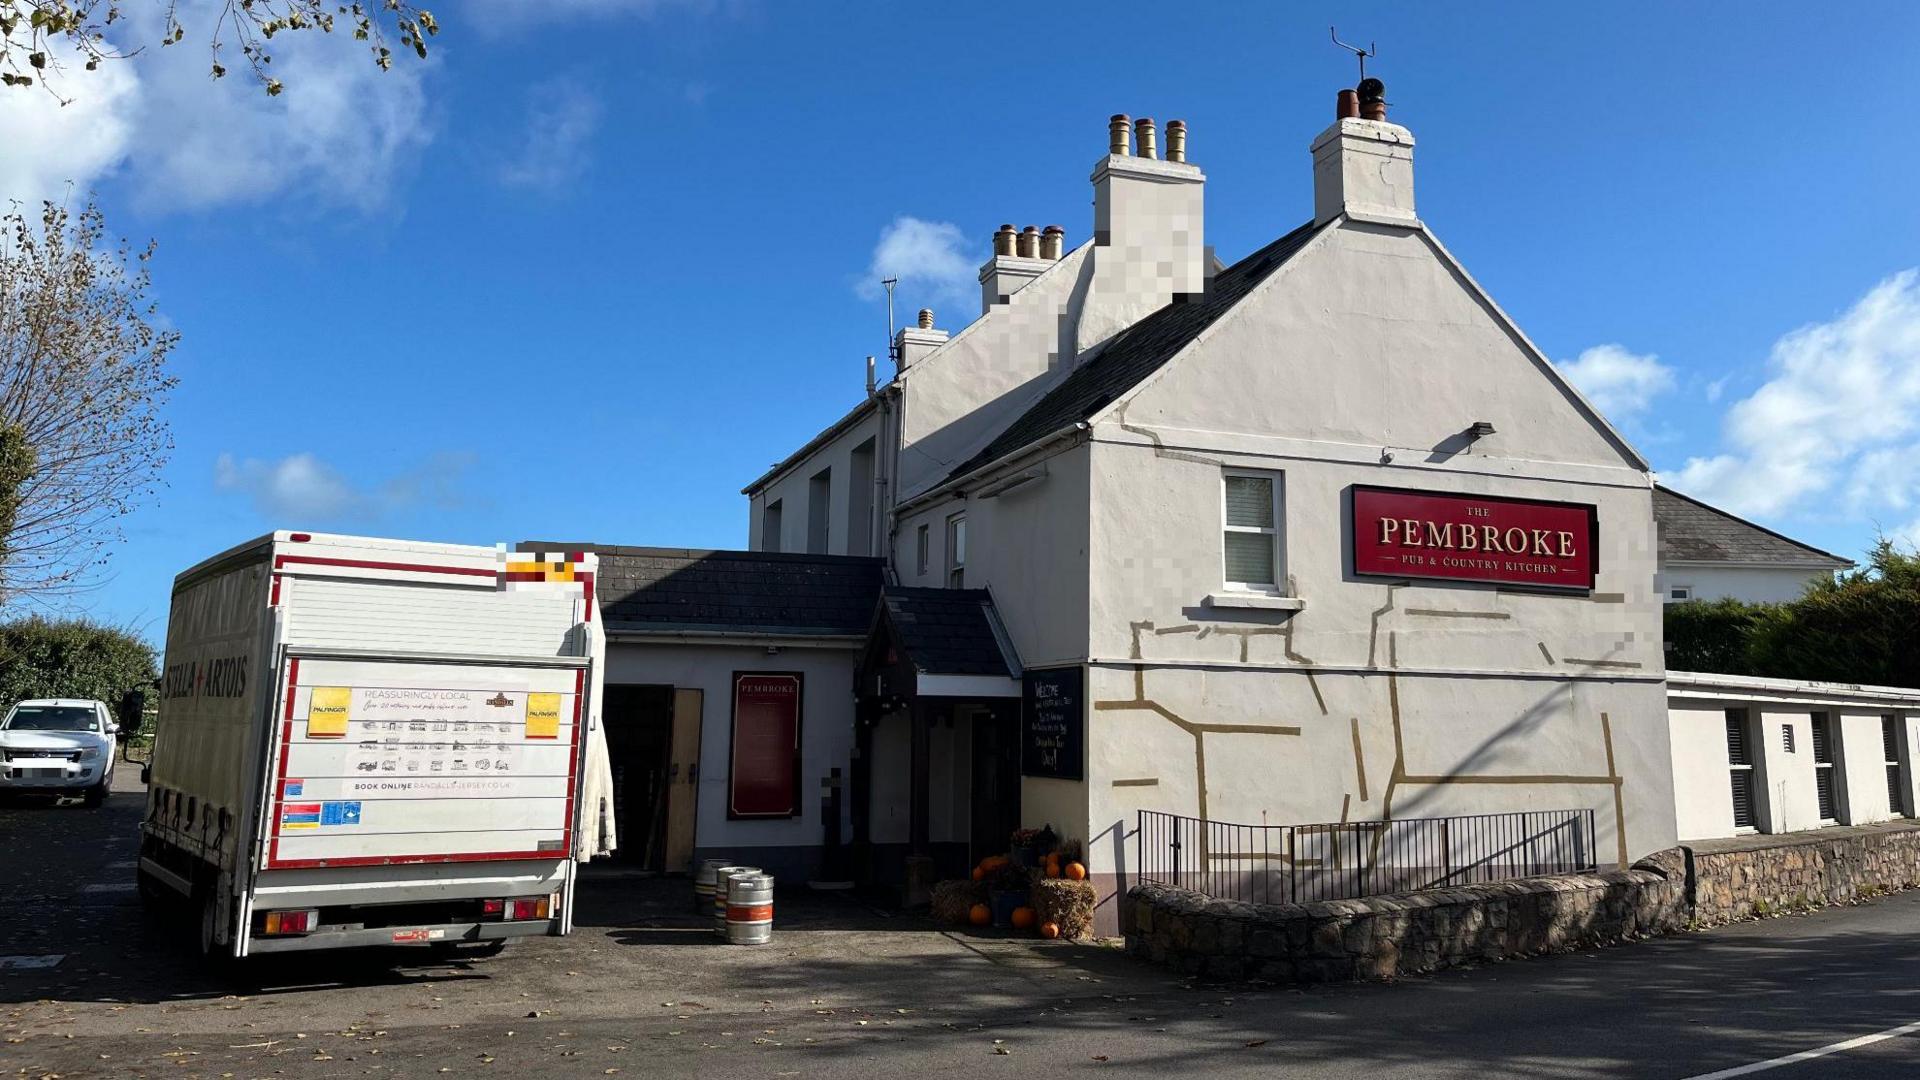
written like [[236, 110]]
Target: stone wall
[[1381, 937], [1762, 875]]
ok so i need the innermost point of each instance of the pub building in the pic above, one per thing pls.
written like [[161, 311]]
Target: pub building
[[1314, 536]]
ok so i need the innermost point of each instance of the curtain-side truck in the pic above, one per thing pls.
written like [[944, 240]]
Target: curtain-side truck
[[376, 742]]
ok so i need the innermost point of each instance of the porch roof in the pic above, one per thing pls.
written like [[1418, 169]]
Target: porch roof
[[948, 631]]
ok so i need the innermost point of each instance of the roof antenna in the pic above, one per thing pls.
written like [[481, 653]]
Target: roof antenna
[[893, 353], [1359, 53]]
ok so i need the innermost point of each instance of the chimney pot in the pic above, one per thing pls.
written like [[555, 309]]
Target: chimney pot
[[1373, 99], [1052, 243], [926, 318], [1143, 138], [1348, 107], [1003, 240], [1118, 132], [1030, 242], [1177, 140]]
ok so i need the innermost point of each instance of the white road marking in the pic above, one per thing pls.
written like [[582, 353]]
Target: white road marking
[[123, 864], [109, 886], [1809, 1055]]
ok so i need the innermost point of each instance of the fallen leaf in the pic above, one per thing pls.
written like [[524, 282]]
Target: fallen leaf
[[1256, 1042]]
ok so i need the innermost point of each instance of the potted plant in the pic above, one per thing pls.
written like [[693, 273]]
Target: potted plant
[[1008, 887], [1025, 849]]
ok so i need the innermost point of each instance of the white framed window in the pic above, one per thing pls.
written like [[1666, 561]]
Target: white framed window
[[1825, 784], [922, 542], [1253, 544], [957, 551], [1679, 594], [1740, 763], [1896, 773]]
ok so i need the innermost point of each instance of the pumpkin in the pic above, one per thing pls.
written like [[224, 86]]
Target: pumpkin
[[980, 915], [1076, 871], [1049, 929], [1023, 918], [1053, 869], [979, 873]]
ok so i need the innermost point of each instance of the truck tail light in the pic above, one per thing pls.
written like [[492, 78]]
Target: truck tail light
[[531, 907], [493, 909], [292, 922]]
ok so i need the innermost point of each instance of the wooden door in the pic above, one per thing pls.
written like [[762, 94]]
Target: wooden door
[[683, 779]]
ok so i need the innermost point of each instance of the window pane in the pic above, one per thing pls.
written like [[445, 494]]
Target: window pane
[[1250, 502], [1250, 558]]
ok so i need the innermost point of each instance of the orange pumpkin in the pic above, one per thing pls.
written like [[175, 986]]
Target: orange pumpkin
[[1023, 918], [980, 915], [1049, 929], [1053, 869], [979, 873], [1076, 871]]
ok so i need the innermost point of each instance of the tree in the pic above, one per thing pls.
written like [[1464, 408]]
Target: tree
[[72, 658], [34, 34], [16, 465], [1857, 628], [83, 376], [1861, 627]]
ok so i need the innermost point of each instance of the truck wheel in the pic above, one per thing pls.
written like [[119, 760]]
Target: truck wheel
[[210, 947]]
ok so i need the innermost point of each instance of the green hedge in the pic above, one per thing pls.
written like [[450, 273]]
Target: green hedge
[[1862, 627], [72, 658]]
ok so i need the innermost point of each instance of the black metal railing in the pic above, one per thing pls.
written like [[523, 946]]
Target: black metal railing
[[1291, 864]]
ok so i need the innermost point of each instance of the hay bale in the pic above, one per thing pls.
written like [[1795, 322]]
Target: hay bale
[[1069, 903], [953, 900]]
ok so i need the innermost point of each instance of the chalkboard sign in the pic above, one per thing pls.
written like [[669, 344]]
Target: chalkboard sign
[[1053, 712]]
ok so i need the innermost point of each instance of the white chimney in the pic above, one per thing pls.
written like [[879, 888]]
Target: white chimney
[[1362, 165], [912, 343], [1010, 268], [1148, 242]]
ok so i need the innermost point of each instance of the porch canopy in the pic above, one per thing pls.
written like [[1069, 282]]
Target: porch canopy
[[929, 653]]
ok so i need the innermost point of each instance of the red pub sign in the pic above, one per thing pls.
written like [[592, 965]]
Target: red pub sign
[[764, 778], [1422, 534]]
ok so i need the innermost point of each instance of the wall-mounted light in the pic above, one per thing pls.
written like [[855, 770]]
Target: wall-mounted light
[[1480, 429]]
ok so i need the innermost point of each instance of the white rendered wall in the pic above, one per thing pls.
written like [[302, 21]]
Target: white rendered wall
[[1753, 584], [826, 727], [1702, 773], [790, 489], [1452, 698]]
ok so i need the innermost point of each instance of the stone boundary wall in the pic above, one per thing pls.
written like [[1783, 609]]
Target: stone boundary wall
[[1751, 876], [1382, 937]]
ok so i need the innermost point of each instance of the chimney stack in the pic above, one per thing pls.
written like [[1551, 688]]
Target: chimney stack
[[911, 343], [1018, 257], [1363, 165], [1148, 235]]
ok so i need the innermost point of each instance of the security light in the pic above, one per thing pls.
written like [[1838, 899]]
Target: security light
[[1480, 429]]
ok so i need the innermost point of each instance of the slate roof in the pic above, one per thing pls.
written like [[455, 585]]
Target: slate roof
[[946, 631], [1692, 531], [677, 590], [1138, 351]]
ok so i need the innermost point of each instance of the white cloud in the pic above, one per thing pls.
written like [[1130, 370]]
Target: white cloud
[[1838, 420], [927, 258], [1619, 383], [338, 135], [562, 117], [1717, 387], [301, 488]]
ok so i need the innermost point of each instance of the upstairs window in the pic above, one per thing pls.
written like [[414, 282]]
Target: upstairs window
[[957, 551], [923, 541], [770, 525], [1254, 554]]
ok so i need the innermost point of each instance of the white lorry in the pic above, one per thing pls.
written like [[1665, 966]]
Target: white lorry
[[374, 742]]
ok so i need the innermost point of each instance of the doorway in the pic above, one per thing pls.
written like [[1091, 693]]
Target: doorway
[[996, 782], [653, 748]]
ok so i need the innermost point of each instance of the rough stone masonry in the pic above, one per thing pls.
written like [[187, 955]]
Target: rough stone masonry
[[1383, 937]]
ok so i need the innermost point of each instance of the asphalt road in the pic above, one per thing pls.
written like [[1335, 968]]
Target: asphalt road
[[90, 987]]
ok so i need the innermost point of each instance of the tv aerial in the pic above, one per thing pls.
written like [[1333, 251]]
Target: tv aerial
[[1358, 52]]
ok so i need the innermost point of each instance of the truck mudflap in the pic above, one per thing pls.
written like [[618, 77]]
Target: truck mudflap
[[439, 934]]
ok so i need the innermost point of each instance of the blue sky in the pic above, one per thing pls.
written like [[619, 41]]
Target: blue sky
[[586, 277]]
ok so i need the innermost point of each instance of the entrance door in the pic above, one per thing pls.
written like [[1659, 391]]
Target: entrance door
[[683, 780], [996, 781], [639, 723]]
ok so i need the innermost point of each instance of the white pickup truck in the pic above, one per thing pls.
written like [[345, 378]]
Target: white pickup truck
[[376, 742]]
